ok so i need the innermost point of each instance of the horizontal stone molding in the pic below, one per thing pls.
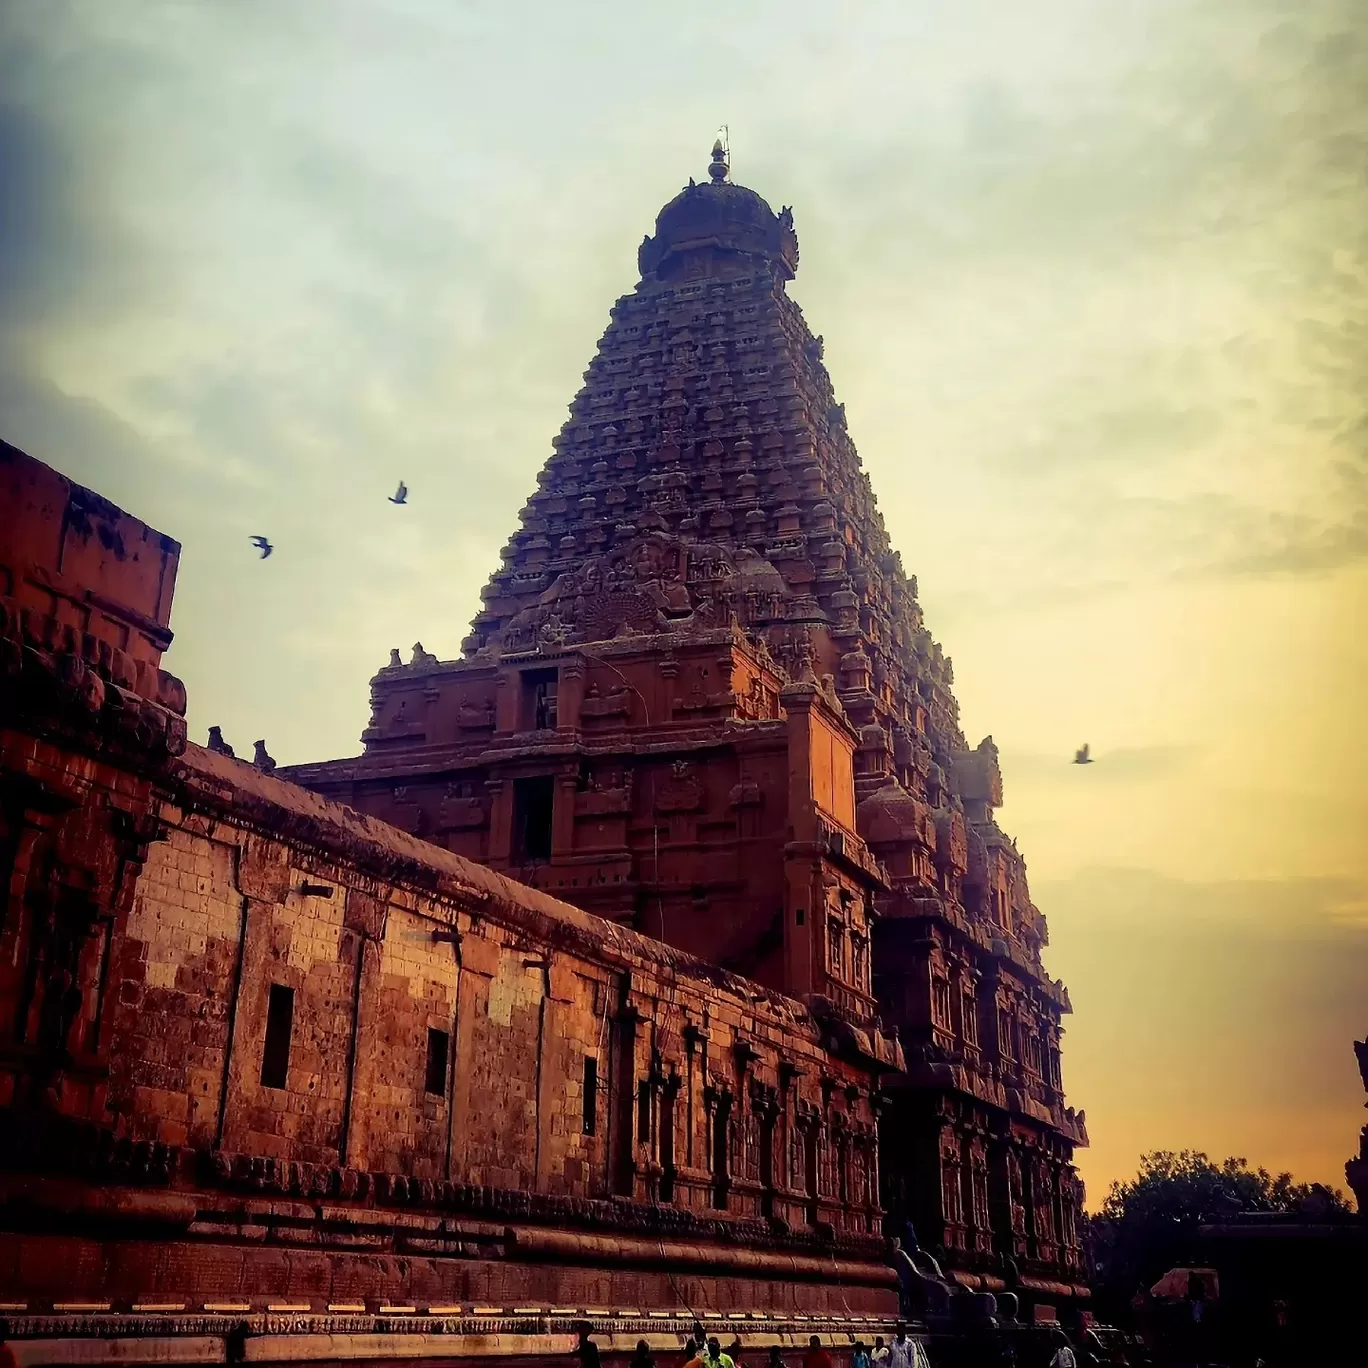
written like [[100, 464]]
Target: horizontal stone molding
[[574, 1247]]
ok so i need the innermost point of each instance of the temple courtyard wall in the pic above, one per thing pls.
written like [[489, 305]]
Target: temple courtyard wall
[[274, 1073], [525, 1169]]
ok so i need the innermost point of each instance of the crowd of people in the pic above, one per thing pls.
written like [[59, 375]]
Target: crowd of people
[[981, 1347], [702, 1350]]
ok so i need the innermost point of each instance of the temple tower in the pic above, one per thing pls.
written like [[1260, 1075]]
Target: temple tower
[[700, 698]]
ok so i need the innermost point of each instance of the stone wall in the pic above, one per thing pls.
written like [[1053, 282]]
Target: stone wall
[[513, 997], [72, 556], [491, 1164], [259, 1050], [702, 649]]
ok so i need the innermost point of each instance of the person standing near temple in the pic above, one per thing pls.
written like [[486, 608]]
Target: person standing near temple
[[860, 1357], [904, 1352], [816, 1356], [586, 1350], [1063, 1356], [643, 1357], [715, 1358]]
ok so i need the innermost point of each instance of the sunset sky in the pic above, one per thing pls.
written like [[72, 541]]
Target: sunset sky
[[1093, 280]]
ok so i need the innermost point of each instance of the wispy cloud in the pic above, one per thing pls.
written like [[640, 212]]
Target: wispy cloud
[[1094, 286]]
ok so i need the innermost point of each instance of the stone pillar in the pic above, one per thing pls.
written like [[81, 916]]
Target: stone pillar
[[718, 1103], [563, 816], [878, 1104], [668, 1125], [767, 1114], [500, 821], [549, 1086], [569, 694], [669, 672], [351, 1137], [506, 700], [951, 1188], [622, 1129]]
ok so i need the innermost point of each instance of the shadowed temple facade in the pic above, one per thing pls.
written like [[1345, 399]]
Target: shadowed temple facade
[[700, 700], [660, 956]]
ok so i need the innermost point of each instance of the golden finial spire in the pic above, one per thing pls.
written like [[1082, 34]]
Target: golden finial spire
[[721, 156]]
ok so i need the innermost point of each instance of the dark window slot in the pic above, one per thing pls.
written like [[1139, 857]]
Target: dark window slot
[[533, 802], [275, 1057], [438, 1047], [590, 1094], [644, 1112], [539, 699]]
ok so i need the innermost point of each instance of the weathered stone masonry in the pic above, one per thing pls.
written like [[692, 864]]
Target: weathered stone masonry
[[259, 1049], [701, 1084], [700, 699], [257, 1046]]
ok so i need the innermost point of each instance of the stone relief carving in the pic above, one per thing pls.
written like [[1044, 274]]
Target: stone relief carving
[[655, 583], [682, 791]]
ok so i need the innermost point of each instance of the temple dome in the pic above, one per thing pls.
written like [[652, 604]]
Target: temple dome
[[719, 214]]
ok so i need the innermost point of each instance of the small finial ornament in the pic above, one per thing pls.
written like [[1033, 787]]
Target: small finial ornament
[[717, 168]]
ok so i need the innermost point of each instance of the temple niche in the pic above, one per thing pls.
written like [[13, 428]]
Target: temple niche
[[700, 700]]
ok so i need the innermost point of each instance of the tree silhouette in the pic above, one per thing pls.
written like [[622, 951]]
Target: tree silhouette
[[1149, 1225]]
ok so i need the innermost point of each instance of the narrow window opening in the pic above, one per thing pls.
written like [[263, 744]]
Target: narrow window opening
[[275, 1057], [590, 1094], [667, 1163], [539, 699], [644, 1111], [438, 1048], [533, 801]]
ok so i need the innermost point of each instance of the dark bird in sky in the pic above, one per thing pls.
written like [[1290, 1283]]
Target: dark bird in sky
[[263, 546], [1081, 757], [400, 495]]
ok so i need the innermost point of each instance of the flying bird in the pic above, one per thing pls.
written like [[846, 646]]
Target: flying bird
[[1081, 757], [263, 546], [400, 495]]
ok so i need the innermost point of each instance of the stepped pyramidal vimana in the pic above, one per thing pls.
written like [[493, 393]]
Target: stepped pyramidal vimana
[[660, 958]]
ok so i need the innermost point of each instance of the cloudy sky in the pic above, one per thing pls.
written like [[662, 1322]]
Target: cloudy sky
[[1093, 280]]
